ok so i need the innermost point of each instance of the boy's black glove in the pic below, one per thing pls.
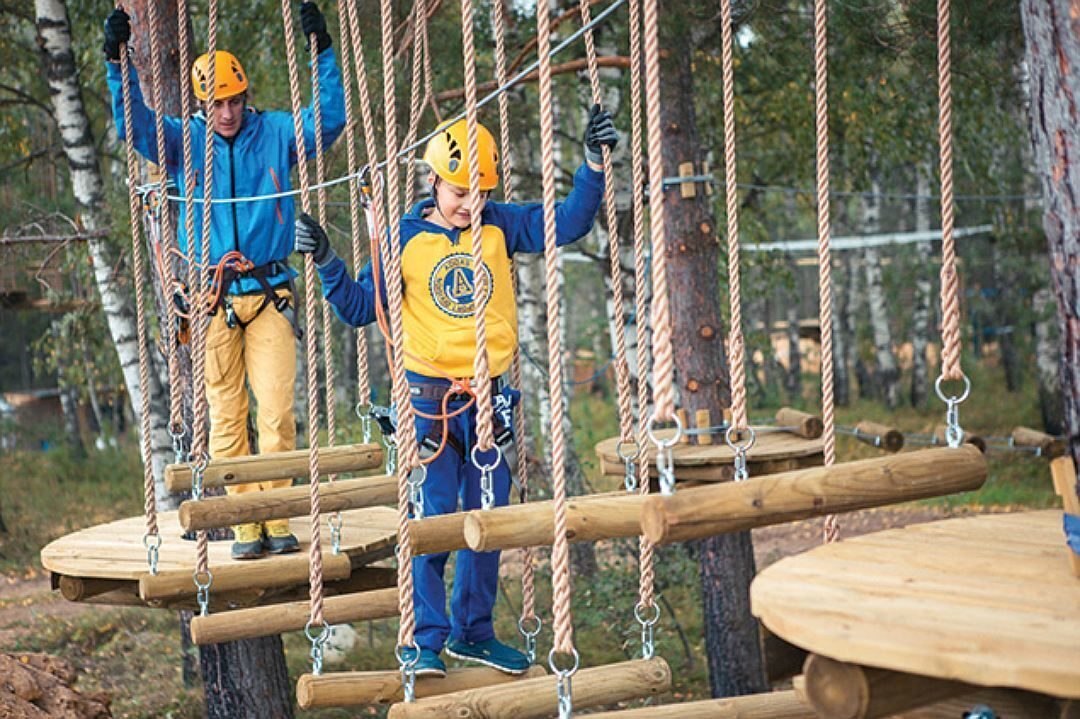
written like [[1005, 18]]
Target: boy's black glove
[[311, 240], [117, 32], [599, 131], [312, 22]]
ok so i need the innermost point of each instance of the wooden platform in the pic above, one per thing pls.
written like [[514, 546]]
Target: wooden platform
[[772, 453], [986, 600]]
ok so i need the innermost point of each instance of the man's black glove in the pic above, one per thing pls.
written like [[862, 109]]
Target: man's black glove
[[117, 32], [312, 22], [599, 131], [311, 240]]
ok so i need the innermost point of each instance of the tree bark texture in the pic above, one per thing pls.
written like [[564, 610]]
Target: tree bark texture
[[727, 562], [246, 680], [924, 287], [1046, 362], [1052, 37], [887, 374]]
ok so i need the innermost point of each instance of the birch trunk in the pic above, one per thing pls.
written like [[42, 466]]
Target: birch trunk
[[1046, 362], [924, 287], [887, 375], [793, 383]]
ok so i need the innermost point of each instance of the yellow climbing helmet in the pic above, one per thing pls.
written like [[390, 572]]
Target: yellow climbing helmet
[[228, 73], [448, 155]]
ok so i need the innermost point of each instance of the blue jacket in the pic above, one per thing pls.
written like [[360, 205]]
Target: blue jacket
[[255, 162], [439, 312]]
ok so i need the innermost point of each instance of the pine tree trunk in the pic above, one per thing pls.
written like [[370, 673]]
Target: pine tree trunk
[[1053, 56], [248, 680]]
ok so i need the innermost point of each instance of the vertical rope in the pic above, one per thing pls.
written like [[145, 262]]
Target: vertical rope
[[310, 313], [825, 312], [664, 368], [560, 551], [416, 102], [485, 434], [950, 283], [622, 369]]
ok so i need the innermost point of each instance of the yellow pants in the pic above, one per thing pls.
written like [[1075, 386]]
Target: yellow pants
[[263, 355]]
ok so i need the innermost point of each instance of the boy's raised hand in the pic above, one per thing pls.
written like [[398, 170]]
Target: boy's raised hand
[[312, 22], [311, 240], [599, 131], [117, 32]]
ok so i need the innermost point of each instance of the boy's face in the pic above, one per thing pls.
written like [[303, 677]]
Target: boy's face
[[229, 115], [453, 202]]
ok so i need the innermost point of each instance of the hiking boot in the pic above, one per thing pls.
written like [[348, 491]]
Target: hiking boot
[[248, 544], [278, 539], [428, 665], [492, 653]]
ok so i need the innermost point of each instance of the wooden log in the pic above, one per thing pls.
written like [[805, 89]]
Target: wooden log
[[1048, 445], [774, 705], [293, 616], [81, 589], [760, 501], [1011, 703], [783, 660], [535, 698], [343, 689], [588, 519], [212, 512], [1063, 472], [839, 690], [882, 436], [282, 571], [438, 534], [703, 420], [803, 424], [277, 465], [969, 438], [684, 419]]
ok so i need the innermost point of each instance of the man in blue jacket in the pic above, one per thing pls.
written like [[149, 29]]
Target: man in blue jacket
[[251, 339]]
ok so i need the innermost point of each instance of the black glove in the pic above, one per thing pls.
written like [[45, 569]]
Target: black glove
[[312, 22], [599, 131], [117, 32], [311, 240]]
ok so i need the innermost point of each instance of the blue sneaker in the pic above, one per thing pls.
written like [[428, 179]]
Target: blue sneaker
[[492, 653], [428, 665]]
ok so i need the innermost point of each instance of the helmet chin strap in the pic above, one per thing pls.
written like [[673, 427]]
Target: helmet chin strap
[[433, 188]]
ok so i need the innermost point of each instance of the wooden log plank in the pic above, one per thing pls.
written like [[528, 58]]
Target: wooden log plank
[[535, 698], [783, 660], [883, 436], [343, 689], [839, 690], [803, 424], [279, 571], [286, 502], [774, 705], [277, 465], [81, 589], [736, 506], [1011, 703], [723, 472], [438, 534], [1063, 473], [703, 421], [1048, 445]]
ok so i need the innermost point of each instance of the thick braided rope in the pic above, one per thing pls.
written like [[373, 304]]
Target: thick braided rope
[[485, 433], [647, 576], [950, 283], [528, 572], [560, 550], [663, 356], [736, 343], [310, 314], [416, 100], [825, 312], [622, 368], [363, 381], [410, 457], [149, 498]]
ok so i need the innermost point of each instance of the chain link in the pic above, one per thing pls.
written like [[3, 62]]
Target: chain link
[[665, 459], [202, 591], [152, 542], [335, 522], [529, 636], [318, 644], [487, 476], [416, 490], [408, 669]]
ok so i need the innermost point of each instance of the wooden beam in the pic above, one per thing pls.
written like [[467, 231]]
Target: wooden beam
[[1063, 473], [282, 571], [589, 518], [847, 691], [774, 705], [438, 534], [343, 494], [343, 689], [535, 698], [82, 589], [882, 436], [783, 660], [1049, 445], [736, 506], [619, 61], [804, 424], [276, 465]]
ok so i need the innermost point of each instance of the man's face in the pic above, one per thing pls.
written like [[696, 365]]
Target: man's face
[[229, 115], [453, 202]]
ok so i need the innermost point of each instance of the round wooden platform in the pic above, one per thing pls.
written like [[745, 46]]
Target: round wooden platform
[[987, 600], [773, 452]]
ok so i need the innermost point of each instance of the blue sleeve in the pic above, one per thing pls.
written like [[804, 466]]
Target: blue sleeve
[[331, 107], [574, 216], [144, 130], [353, 300]]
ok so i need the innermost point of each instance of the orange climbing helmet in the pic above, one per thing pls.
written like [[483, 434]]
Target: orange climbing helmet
[[228, 73], [448, 154]]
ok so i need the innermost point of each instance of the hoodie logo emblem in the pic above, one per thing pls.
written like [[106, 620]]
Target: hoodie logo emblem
[[452, 285]]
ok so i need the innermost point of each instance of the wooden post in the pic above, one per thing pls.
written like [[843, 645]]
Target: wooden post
[[684, 420], [343, 689], [598, 516], [535, 698], [343, 494], [277, 465], [280, 571], [1048, 445], [735, 506], [969, 438], [774, 705], [438, 534], [887, 438], [280, 618], [847, 691], [703, 420], [803, 424], [1063, 472], [687, 188]]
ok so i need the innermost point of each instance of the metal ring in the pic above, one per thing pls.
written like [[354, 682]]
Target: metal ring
[[731, 431], [199, 584], [410, 663], [667, 443], [563, 673], [147, 537], [419, 482], [526, 632], [200, 464], [954, 398], [486, 467], [628, 457], [363, 409], [320, 638], [639, 607], [177, 436]]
